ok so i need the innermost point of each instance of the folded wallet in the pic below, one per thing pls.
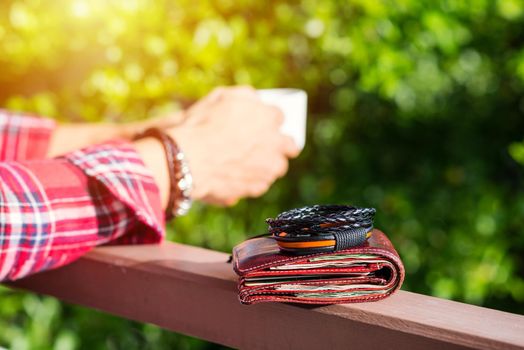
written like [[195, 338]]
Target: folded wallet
[[368, 272]]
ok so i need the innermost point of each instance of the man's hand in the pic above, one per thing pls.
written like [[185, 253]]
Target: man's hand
[[233, 145]]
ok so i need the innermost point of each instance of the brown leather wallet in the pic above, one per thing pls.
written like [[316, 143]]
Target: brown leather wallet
[[368, 272]]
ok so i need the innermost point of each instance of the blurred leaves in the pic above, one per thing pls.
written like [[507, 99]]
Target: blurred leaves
[[416, 109]]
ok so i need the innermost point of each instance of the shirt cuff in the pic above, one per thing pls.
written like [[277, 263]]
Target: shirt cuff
[[24, 136], [118, 167]]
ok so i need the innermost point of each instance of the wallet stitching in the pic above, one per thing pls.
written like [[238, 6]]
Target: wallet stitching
[[383, 253], [246, 289], [318, 301]]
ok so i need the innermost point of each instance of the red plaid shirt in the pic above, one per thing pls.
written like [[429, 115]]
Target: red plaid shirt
[[54, 210]]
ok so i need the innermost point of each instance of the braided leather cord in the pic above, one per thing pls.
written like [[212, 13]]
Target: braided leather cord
[[349, 225]]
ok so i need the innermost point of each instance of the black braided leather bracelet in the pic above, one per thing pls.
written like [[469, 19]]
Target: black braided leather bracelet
[[321, 228]]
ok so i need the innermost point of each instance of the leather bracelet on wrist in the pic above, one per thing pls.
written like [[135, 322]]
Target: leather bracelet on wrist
[[180, 180]]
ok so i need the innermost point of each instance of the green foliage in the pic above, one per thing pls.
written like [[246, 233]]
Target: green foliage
[[416, 109]]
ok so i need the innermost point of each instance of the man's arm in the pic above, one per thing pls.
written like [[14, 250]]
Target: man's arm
[[69, 137], [54, 210], [23, 136]]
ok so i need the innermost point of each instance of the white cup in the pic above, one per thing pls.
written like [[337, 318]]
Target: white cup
[[293, 103]]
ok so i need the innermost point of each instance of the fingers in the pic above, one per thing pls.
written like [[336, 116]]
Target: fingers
[[280, 167], [214, 95], [289, 147], [287, 144], [220, 201], [207, 101], [275, 114], [258, 189], [252, 185], [223, 91], [243, 90], [167, 121]]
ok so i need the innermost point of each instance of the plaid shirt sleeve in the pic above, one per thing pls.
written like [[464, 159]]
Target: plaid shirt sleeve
[[54, 210], [23, 136]]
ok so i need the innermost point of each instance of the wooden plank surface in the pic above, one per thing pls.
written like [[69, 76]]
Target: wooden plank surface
[[192, 290]]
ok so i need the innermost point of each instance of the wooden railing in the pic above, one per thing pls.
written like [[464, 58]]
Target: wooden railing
[[193, 291]]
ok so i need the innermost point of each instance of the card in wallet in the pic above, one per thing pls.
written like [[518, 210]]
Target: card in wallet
[[368, 272]]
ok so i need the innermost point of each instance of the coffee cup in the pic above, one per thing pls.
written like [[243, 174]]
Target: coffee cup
[[293, 104]]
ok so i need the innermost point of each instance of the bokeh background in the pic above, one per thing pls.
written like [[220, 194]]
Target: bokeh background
[[416, 108]]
